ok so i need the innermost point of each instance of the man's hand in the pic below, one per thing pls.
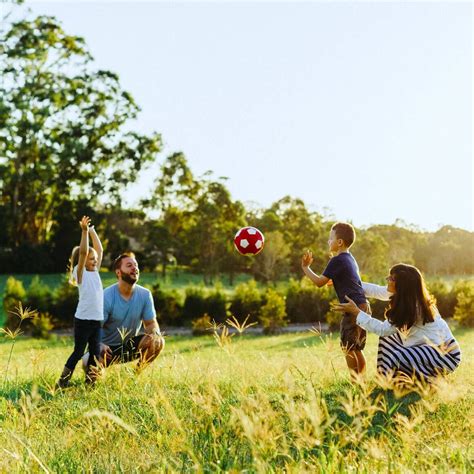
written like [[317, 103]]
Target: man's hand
[[105, 350], [307, 259]]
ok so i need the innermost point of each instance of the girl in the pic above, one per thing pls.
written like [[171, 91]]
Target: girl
[[414, 339], [84, 265]]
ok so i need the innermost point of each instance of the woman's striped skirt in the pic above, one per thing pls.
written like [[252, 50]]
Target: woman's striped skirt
[[423, 361]]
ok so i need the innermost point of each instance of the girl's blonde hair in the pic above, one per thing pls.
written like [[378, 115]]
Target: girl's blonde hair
[[73, 261]]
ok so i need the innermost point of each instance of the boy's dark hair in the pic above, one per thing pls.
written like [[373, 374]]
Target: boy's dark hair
[[118, 260], [345, 232]]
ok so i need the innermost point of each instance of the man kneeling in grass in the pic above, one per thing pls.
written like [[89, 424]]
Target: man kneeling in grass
[[130, 330]]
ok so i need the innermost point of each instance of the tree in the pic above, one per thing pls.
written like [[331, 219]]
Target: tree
[[62, 128], [273, 262], [301, 228]]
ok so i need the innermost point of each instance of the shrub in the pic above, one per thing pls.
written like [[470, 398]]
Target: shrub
[[42, 326], [194, 303], [39, 295], [247, 300], [464, 312], [273, 313], [446, 298], [167, 304], [14, 294], [216, 305], [201, 325], [64, 304], [333, 318], [305, 303]]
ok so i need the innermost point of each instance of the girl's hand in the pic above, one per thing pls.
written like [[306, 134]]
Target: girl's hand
[[350, 307], [307, 259], [85, 222]]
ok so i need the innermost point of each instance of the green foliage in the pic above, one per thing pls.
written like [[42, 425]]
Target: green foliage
[[305, 303], [246, 301], [273, 313], [39, 295], [446, 297], [168, 305], [333, 318], [464, 312], [198, 302], [65, 304], [216, 303], [64, 128], [194, 303], [14, 295], [273, 262], [41, 326]]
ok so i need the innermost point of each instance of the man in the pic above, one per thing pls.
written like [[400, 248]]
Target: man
[[130, 330]]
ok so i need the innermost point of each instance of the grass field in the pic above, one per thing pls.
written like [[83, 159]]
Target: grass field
[[257, 404]]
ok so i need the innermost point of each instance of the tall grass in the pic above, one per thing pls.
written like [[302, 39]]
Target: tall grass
[[256, 404]]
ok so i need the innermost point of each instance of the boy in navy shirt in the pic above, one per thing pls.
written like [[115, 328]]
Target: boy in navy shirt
[[343, 270]]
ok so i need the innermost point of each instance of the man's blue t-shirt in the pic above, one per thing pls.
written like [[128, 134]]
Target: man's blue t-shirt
[[125, 316], [344, 273]]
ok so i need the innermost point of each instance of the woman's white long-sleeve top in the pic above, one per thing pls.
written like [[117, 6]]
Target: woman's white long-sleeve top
[[435, 333]]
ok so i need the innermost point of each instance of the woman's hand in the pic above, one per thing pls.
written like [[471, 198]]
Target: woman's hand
[[350, 307], [307, 259]]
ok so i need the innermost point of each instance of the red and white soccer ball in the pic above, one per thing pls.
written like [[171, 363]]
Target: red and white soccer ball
[[249, 241]]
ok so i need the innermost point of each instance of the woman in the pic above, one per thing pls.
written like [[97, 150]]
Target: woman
[[414, 338]]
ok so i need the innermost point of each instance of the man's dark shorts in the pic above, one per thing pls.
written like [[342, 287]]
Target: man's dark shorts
[[353, 337], [126, 352]]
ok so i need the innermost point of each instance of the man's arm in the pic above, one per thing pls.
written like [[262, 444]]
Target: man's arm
[[306, 261], [150, 324]]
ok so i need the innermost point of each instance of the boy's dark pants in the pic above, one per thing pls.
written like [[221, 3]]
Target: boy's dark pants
[[353, 337], [85, 332]]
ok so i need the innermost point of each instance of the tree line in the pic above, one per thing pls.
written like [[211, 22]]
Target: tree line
[[66, 143]]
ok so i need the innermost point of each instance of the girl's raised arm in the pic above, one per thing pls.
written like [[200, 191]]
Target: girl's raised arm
[[96, 243], [83, 247]]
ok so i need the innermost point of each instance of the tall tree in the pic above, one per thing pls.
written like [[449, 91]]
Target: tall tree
[[63, 128]]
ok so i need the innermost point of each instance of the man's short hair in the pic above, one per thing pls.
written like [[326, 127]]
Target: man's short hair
[[345, 232], [118, 260]]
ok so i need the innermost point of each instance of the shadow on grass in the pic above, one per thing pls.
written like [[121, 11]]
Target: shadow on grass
[[15, 391], [381, 420]]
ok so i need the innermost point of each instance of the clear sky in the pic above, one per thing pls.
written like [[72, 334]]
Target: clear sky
[[362, 108]]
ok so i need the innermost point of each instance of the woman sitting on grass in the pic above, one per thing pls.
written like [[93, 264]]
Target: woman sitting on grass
[[414, 339]]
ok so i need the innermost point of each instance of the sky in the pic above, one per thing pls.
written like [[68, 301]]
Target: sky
[[363, 110]]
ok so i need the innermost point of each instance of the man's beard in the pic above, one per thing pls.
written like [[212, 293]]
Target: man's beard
[[129, 278]]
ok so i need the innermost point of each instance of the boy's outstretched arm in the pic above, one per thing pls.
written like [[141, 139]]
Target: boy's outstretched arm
[[306, 261]]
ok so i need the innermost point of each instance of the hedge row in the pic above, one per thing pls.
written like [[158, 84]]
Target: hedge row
[[304, 303]]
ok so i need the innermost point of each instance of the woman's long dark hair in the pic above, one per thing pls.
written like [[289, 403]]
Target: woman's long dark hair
[[411, 302]]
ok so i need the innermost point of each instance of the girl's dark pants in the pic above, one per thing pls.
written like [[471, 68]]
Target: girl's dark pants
[[85, 332]]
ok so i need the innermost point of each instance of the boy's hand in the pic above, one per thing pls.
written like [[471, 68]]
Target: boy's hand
[[307, 259], [85, 222]]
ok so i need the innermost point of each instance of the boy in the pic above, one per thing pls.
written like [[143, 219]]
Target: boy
[[343, 270]]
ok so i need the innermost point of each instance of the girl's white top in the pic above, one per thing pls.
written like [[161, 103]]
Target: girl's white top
[[91, 296], [435, 333]]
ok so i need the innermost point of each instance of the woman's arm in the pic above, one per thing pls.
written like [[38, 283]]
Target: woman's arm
[[381, 328], [376, 291], [364, 320]]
